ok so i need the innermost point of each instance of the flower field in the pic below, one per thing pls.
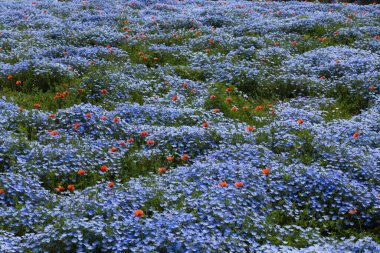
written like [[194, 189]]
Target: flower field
[[189, 126]]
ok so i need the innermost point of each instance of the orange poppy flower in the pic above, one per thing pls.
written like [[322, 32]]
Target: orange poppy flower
[[228, 100], [184, 157], [116, 120], [372, 88], [91, 62], [276, 43], [322, 77], [71, 187], [223, 184], [18, 82], [250, 128], [122, 143], [111, 184], [104, 91], [130, 140], [245, 108], [300, 121], [205, 124], [150, 142], [239, 184], [88, 115], [139, 213], [376, 37], [76, 125], [216, 110], [212, 97], [234, 109], [54, 133], [174, 98], [81, 172], [337, 61], [185, 85], [70, 68], [104, 168], [169, 158], [265, 171], [103, 117], [2, 191], [228, 89], [162, 170], [20, 109], [9, 77], [113, 149], [353, 211], [356, 135], [52, 115], [155, 58], [294, 43], [259, 107], [144, 133], [60, 188], [65, 53]]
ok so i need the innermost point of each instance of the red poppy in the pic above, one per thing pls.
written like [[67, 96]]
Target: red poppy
[[372, 88], [2, 191], [52, 115], [356, 135], [185, 85], [376, 37], [223, 184], [88, 115], [174, 98], [37, 106], [322, 77], [9, 77], [205, 124], [169, 158], [103, 117], [70, 187], [76, 125], [116, 120], [144, 133], [108, 46], [250, 128], [228, 89], [259, 107], [155, 58], [216, 110], [104, 168], [212, 97], [60, 188], [184, 157], [228, 100], [111, 184], [234, 109], [150, 142], [104, 91], [265, 171], [139, 213], [337, 61], [20, 109], [245, 108], [130, 140], [18, 82], [300, 121], [211, 41], [276, 43], [65, 53], [122, 143], [294, 43], [91, 62], [162, 170], [113, 149], [70, 68], [81, 172], [54, 133], [239, 184]]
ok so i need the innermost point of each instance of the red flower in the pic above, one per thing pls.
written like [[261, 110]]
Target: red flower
[[356, 135], [337, 61], [108, 46], [76, 125], [174, 98], [103, 117], [223, 184], [184, 157], [212, 97], [54, 133], [111, 184], [60, 188], [104, 168], [88, 115], [70, 187], [265, 171], [169, 158], [239, 184], [376, 37], [65, 53], [322, 77], [2, 191], [52, 115], [91, 62], [150, 142], [122, 143], [234, 109], [250, 128], [144, 133], [113, 149], [116, 120], [37, 106], [276, 43], [372, 88], [300, 121], [228, 89], [245, 108], [81, 172], [18, 82], [185, 85], [211, 41], [259, 107], [155, 58], [162, 170], [104, 91], [294, 43], [9, 77], [228, 100], [139, 213], [70, 68], [20, 109], [130, 140], [205, 124], [216, 110], [353, 211]]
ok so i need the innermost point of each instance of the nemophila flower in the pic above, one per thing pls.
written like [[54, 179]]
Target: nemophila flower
[[139, 213], [355, 135], [144, 133], [205, 124], [18, 82], [184, 157], [111, 184], [103, 168], [239, 184], [150, 142], [37, 106], [161, 170], [71, 187], [113, 149], [265, 171], [223, 184]]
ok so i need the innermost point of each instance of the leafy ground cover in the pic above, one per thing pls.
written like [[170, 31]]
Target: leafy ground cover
[[189, 126]]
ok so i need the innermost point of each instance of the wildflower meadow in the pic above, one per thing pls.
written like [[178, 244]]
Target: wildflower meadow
[[189, 126]]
